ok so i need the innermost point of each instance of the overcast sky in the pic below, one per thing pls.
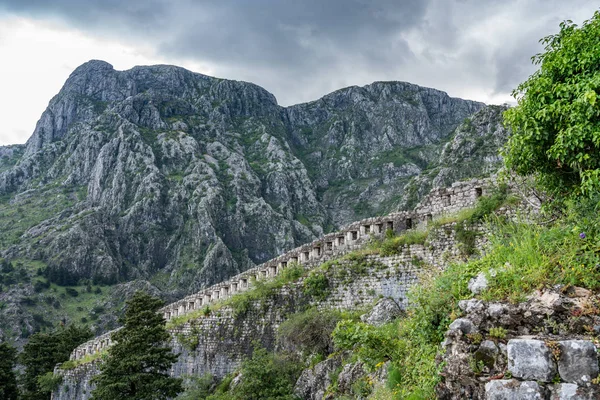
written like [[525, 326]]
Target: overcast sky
[[299, 50]]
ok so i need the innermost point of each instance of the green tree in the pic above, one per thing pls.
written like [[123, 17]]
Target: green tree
[[8, 379], [41, 354], [265, 376], [137, 365], [556, 124]]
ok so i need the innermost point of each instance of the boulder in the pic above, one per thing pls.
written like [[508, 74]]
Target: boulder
[[350, 374], [513, 390], [478, 284], [386, 310], [578, 361], [464, 325], [531, 360]]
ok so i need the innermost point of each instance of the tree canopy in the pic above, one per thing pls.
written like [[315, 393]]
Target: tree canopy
[[41, 354], [556, 124], [137, 365], [8, 380]]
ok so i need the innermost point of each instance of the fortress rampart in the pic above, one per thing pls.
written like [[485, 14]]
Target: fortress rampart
[[438, 202]]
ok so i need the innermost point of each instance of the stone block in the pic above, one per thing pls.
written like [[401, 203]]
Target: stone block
[[513, 390], [570, 391], [578, 361], [531, 360]]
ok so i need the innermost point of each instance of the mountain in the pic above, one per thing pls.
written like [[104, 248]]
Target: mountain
[[162, 178]]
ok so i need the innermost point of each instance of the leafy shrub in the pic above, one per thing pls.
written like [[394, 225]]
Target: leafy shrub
[[197, 387], [555, 124], [49, 382], [264, 376], [316, 285], [393, 245], [71, 292], [310, 331]]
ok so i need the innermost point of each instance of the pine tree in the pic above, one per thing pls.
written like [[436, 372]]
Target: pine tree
[[138, 363], [8, 380], [41, 354]]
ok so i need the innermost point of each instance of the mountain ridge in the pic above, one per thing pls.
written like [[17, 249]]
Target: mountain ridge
[[173, 178]]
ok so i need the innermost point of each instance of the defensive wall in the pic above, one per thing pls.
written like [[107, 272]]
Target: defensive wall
[[439, 202]]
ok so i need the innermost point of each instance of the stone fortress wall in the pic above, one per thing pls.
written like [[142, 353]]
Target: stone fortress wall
[[438, 202]]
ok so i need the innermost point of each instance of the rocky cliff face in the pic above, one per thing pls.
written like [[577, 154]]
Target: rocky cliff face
[[179, 180]]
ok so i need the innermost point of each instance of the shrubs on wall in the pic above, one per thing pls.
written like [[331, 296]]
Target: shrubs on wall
[[310, 331], [316, 285]]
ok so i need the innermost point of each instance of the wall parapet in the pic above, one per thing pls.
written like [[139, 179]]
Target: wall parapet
[[439, 202]]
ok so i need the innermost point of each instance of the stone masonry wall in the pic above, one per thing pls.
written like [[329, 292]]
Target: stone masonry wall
[[217, 343], [544, 348], [354, 236]]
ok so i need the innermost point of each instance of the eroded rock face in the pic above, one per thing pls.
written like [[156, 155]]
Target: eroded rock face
[[313, 383]]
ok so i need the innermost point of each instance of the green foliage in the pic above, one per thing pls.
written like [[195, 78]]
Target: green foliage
[[8, 379], [49, 382], [556, 125], [197, 387], [266, 376], [393, 244], [371, 344], [190, 340], [525, 257], [137, 366], [42, 352], [465, 238], [410, 344], [310, 331], [486, 205], [316, 285], [497, 332]]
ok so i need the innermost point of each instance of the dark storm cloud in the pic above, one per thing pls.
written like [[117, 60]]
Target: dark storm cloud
[[302, 49]]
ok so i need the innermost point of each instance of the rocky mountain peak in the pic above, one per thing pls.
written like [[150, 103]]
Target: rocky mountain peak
[[162, 174]]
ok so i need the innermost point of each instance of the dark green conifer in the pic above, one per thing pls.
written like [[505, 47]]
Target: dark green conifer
[[8, 380], [138, 363]]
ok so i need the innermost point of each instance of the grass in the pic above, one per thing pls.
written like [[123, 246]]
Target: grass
[[241, 303], [520, 259], [20, 214], [88, 358]]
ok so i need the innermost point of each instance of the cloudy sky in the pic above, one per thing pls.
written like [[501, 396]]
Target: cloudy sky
[[297, 49]]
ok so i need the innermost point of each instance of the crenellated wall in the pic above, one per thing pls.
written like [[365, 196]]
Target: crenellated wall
[[354, 236], [217, 343]]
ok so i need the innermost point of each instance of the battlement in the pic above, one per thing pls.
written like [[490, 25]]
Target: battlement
[[439, 202]]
